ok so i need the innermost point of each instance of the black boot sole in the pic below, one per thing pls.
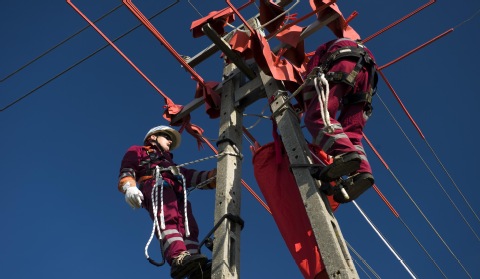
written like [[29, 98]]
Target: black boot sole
[[203, 273], [341, 166], [361, 183], [189, 268]]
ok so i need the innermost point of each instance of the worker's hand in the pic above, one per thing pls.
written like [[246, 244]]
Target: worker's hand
[[213, 183], [133, 196]]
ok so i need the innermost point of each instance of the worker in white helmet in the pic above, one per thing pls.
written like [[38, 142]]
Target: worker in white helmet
[[179, 233]]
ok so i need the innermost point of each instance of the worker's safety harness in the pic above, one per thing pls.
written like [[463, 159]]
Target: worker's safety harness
[[363, 59], [155, 172]]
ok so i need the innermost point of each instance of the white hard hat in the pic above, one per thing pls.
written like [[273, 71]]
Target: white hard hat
[[174, 134]]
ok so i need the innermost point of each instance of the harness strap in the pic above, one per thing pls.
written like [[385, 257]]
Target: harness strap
[[358, 97], [363, 59], [347, 52], [338, 77]]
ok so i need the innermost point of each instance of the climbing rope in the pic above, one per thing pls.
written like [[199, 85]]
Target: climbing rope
[[323, 90], [154, 197], [159, 183], [187, 229]]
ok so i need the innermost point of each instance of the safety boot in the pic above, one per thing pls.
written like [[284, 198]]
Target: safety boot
[[185, 264], [342, 164], [205, 272], [355, 186]]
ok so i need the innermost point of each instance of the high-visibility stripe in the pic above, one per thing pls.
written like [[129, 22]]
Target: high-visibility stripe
[[360, 148], [332, 140], [363, 157], [320, 135], [169, 232], [171, 240]]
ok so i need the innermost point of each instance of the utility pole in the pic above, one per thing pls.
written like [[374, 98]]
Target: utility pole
[[331, 244], [226, 244]]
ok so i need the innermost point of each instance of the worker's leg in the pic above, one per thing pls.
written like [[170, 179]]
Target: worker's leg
[[353, 119], [336, 142]]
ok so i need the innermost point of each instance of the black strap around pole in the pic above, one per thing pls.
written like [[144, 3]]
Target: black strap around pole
[[207, 241]]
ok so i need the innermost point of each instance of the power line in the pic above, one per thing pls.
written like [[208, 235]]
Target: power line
[[81, 60], [423, 248], [397, 215], [195, 8], [389, 246], [57, 45], [418, 208], [363, 261], [468, 19], [357, 264], [418, 129], [430, 170], [453, 182]]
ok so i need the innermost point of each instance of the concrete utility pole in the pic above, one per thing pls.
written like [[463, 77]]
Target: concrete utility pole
[[331, 244], [226, 244]]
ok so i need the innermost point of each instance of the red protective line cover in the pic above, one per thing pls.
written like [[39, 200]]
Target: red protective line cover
[[281, 193]]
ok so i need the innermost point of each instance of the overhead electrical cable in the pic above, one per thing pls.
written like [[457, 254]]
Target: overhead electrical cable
[[360, 266], [425, 217], [195, 8], [418, 153], [57, 45], [400, 20], [468, 19], [363, 261], [411, 119], [80, 61], [453, 182], [389, 246], [395, 213]]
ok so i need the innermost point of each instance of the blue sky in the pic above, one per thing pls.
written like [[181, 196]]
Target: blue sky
[[61, 147]]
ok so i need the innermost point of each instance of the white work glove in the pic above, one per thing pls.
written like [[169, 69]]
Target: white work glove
[[133, 196]]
